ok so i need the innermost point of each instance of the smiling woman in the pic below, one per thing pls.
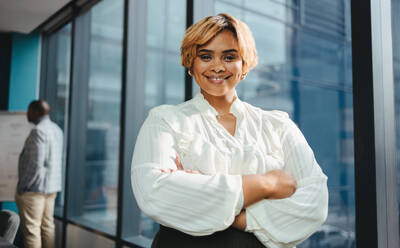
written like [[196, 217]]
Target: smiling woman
[[210, 170], [217, 67]]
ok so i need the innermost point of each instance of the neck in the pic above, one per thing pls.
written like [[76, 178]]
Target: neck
[[222, 104], [39, 119]]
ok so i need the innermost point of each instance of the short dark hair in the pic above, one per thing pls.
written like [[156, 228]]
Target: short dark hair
[[40, 106]]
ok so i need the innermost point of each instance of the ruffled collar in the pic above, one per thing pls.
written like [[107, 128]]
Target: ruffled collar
[[237, 107]]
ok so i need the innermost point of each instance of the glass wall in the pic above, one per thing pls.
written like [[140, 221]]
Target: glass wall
[[59, 51], [164, 77], [166, 24], [61, 107], [96, 79], [304, 68], [103, 116]]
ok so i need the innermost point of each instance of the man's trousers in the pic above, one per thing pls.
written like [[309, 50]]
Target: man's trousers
[[36, 212]]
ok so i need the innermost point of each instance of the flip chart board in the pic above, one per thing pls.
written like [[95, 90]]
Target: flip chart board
[[14, 129]]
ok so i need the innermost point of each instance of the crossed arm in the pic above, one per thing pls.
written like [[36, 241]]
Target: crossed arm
[[203, 204], [276, 184]]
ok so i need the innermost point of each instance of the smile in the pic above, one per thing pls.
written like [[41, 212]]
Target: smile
[[217, 80]]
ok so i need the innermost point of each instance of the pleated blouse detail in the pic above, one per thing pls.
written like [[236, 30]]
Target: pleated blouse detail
[[201, 204]]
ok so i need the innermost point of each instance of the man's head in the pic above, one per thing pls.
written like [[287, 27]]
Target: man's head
[[36, 110]]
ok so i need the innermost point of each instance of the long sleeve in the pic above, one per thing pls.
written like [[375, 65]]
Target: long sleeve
[[192, 203], [287, 222], [31, 162]]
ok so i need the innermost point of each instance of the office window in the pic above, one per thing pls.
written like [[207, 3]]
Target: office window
[[164, 73], [61, 106], [58, 51], [97, 205], [164, 83], [305, 69]]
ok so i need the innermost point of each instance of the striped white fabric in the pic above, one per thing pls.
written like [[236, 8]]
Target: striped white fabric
[[203, 204]]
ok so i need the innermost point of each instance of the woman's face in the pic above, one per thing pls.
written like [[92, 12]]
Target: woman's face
[[217, 67]]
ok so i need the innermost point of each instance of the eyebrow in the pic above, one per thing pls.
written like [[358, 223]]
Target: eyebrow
[[211, 51]]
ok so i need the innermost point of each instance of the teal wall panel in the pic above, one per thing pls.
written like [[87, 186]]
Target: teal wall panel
[[24, 78]]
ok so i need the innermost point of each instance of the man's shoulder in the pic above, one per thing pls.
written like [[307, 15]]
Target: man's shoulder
[[46, 127]]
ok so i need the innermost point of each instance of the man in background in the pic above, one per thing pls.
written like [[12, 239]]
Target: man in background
[[39, 177]]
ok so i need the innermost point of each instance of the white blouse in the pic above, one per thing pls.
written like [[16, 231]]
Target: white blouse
[[201, 204]]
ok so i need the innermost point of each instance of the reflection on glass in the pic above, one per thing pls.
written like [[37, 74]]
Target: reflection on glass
[[272, 8], [305, 70], [60, 110], [103, 120], [164, 74]]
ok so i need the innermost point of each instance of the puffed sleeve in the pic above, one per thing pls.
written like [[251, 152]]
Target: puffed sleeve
[[192, 203], [287, 222]]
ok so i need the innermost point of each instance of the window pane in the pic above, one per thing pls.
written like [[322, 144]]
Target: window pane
[[98, 208], [305, 70], [164, 74], [271, 9], [164, 79], [60, 109]]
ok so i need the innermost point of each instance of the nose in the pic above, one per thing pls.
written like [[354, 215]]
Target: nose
[[217, 66]]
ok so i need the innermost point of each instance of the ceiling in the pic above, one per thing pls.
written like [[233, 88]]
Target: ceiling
[[23, 16]]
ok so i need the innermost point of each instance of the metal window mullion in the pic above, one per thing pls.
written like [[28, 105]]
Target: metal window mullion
[[377, 222], [78, 116], [48, 79], [43, 66], [67, 146], [382, 56], [162, 89], [51, 77], [134, 74], [188, 78]]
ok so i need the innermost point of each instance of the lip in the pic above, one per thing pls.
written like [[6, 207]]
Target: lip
[[217, 79]]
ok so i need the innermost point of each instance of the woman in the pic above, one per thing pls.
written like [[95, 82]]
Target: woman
[[217, 172]]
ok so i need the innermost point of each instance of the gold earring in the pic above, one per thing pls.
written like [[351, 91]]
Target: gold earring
[[190, 73], [243, 76]]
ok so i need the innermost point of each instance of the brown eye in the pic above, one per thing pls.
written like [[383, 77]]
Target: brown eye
[[205, 57], [230, 57]]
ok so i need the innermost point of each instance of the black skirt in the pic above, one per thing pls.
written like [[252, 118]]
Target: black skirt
[[229, 238]]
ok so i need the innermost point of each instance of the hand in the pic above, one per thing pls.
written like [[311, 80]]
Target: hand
[[279, 184], [240, 221], [180, 167]]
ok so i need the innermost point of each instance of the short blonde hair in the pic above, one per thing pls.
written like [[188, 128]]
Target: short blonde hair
[[203, 31]]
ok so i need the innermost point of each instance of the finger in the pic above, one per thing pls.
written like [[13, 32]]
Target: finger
[[178, 163], [192, 171]]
